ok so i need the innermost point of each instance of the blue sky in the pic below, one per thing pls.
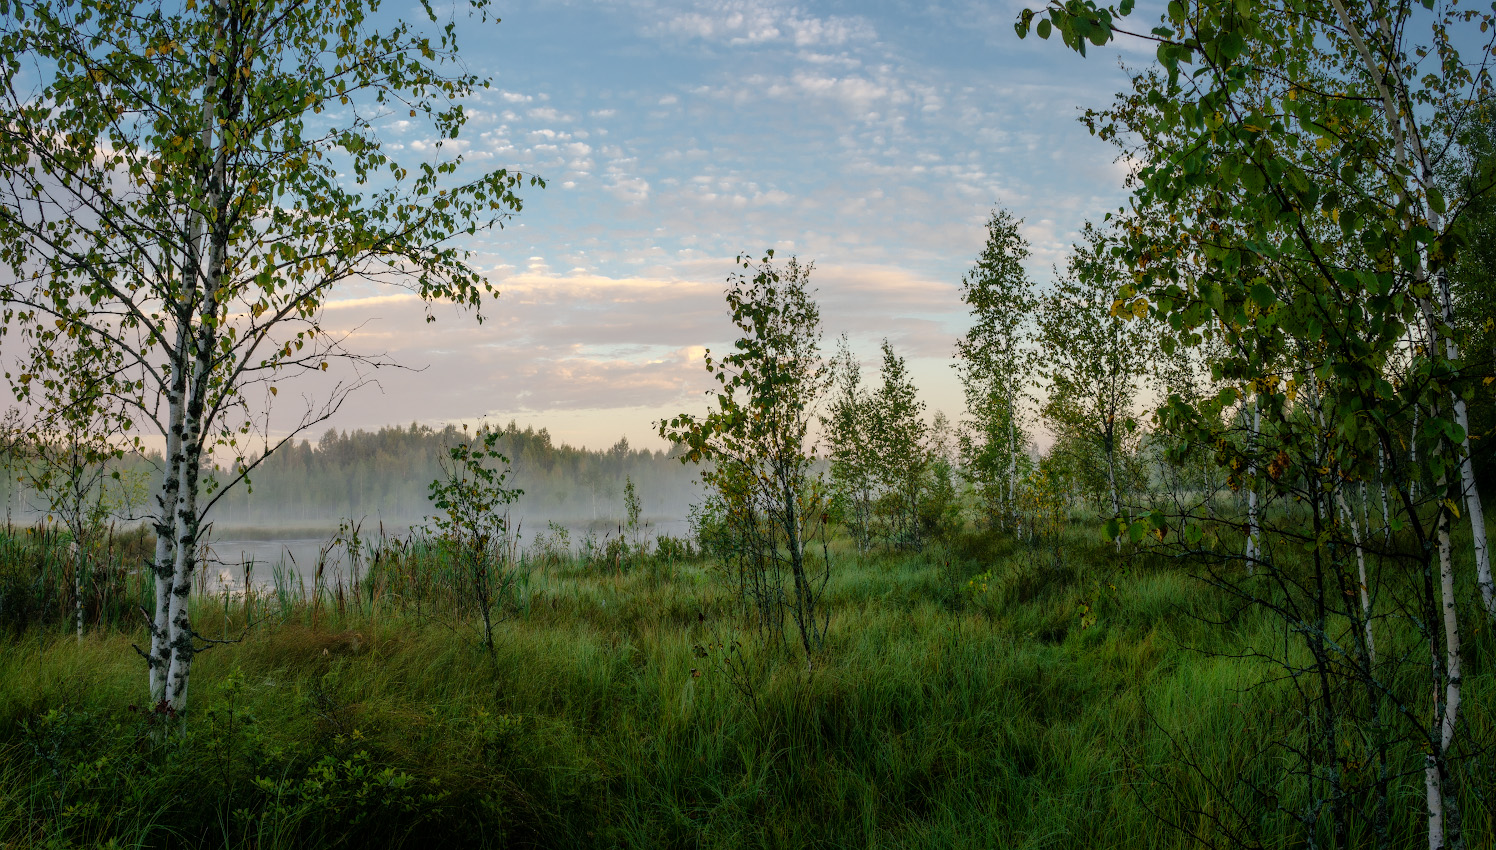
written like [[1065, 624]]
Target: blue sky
[[872, 139]]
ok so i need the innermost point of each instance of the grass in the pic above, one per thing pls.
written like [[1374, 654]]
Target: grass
[[964, 699]]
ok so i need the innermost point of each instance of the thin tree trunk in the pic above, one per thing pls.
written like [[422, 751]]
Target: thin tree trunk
[[1345, 509], [186, 527], [1013, 471], [1443, 827], [78, 584], [1111, 480], [1382, 491], [1253, 550], [804, 602], [1443, 808]]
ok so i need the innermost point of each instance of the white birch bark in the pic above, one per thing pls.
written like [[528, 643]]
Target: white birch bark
[[187, 520], [185, 527], [75, 484], [159, 658], [1405, 132], [1440, 797], [1382, 491], [1425, 177], [78, 585], [1013, 470], [1350, 517], [196, 352], [1253, 549], [1111, 481], [1478, 529]]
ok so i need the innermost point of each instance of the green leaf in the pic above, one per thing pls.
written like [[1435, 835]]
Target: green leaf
[[1113, 528], [1137, 531], [1044, 28], [1436, 200], [1263, 295], [1252, 179]]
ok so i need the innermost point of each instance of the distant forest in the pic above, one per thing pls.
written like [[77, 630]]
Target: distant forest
[[384, 476]]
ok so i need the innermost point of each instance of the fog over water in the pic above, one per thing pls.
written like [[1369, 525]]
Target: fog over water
[[297, 499], [298, 550]]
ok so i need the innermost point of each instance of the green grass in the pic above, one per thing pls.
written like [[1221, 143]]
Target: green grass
[[610, 715]]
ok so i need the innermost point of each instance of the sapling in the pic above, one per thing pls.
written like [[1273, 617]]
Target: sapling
[[474, 522]]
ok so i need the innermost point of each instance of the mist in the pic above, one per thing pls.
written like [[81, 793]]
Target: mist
[[296, 501]]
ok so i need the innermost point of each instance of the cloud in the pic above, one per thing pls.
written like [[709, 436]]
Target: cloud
[[757, 22], [548, 113], [630, 190]]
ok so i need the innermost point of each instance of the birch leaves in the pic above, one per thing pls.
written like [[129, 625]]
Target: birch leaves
[[1287, 206], [187, 186]]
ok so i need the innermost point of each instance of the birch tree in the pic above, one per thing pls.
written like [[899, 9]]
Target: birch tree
[[994, 361], [847, 428], [190, 184], [898, 436], [1288, 196], [75, 433], [1092, 359], [756, 443]]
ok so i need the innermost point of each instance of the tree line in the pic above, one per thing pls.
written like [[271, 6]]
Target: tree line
[[379, 476]]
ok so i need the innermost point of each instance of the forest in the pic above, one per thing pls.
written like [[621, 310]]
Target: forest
[[384, 476], [1203, 561]]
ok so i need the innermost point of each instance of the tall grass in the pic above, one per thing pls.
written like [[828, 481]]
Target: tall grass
[[37, 584], [978, 694]]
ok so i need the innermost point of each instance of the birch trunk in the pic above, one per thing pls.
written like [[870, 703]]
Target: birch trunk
[[185, 528], [1382, 490], [1013, 472], [159, 658], [1452, 354], [1425, 176], [1253, 550], [78, 584], [1467, 471], [198, 272], [1345, 510], [804, 603], [1443, 806], [1111, 481], [1443, 825]]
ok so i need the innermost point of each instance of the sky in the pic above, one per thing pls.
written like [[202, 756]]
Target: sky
[[872, 139]]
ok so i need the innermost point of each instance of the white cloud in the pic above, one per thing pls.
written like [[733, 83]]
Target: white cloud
[[548, 113], [630, 190], [756, 22]]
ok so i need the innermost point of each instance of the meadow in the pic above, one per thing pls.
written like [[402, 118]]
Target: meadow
[[977, 693]]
